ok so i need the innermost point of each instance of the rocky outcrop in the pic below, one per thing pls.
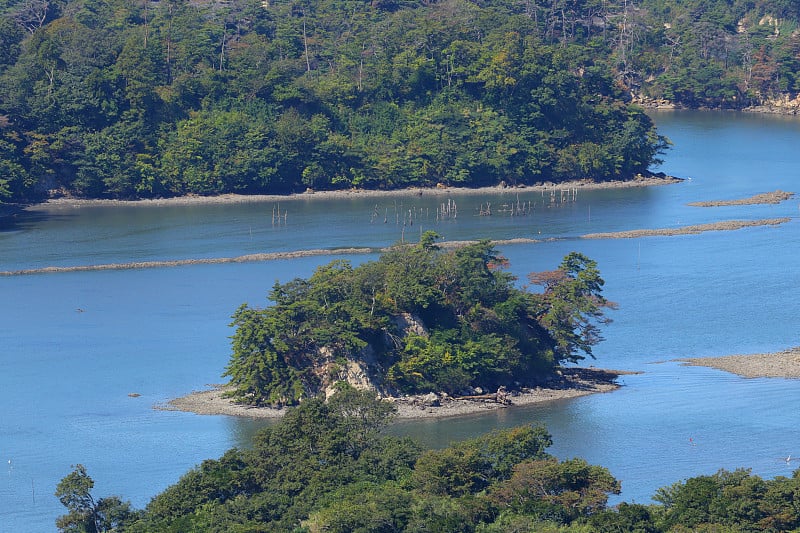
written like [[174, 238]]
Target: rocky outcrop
[[364, 370], [408, 323], [783, 104], [652, 103], [361, 371]]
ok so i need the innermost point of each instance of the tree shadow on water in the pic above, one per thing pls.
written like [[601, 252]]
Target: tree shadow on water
[[18, 218]]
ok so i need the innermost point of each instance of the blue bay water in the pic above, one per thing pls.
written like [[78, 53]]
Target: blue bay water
[[73, 346]]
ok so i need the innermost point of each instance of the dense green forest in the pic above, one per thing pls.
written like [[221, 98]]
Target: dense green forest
[[131, 99], [326, 466], [419, 319]]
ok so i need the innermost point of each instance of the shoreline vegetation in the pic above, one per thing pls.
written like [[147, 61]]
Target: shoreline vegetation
[[309, 194], [784, 364], [568, 383]]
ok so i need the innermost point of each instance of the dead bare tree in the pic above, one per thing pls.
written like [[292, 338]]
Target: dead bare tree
[[31, 14]]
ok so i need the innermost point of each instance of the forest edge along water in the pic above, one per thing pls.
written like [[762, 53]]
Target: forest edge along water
[[548, 187]]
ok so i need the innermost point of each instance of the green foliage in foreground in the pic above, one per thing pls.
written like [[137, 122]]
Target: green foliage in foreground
[[84, 514], [326, 466], [419, 319]]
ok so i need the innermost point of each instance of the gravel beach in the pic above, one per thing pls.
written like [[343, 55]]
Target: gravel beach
[[785, 364]]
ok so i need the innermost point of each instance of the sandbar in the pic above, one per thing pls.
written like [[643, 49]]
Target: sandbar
[[774, 197], [570, 383], [725, 225], [785, 364]]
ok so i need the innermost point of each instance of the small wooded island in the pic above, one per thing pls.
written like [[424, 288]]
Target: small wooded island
[[419, 319]]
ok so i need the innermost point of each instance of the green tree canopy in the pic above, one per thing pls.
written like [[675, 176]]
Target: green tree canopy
[[85, 514]]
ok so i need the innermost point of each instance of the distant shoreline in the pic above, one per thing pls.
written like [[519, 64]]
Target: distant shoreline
[[639, 181], [785, 364], [574, 383]]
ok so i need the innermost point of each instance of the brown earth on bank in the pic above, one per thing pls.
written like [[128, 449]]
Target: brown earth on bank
[[569, 383], [785, 364], [774, 197], [726, 225], [638, 181]]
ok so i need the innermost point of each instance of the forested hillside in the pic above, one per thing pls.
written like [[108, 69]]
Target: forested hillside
[[137, 98], [129, 99]]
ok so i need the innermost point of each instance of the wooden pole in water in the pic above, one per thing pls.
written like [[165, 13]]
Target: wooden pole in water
[[639, 257]]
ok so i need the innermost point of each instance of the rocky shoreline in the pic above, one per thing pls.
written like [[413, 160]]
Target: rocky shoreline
[[781, 105], [568, 383], [785, 364]]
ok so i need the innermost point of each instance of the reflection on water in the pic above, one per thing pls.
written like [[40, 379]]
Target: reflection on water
[[162, 332]]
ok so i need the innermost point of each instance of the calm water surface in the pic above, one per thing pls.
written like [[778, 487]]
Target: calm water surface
[[73, 346]]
